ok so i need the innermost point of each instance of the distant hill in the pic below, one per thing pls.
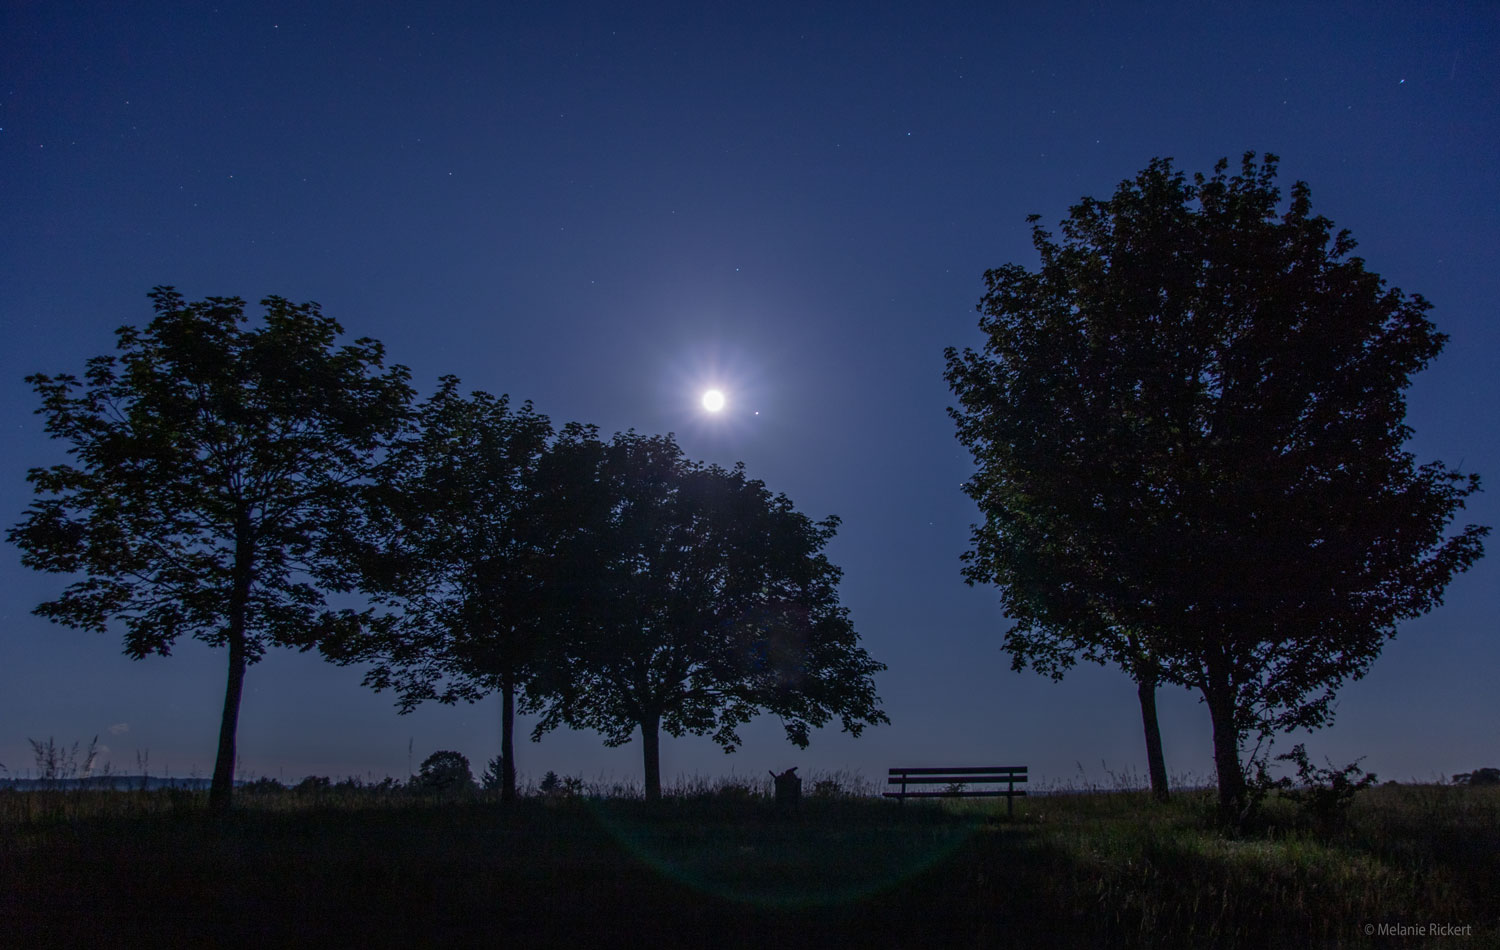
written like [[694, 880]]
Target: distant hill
[[115, 782]]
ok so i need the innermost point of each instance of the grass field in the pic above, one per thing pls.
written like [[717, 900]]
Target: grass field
[[725, 867]]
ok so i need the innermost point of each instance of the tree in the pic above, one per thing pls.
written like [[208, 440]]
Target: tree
[[207, 460], [449, 535], [445, 772], [701, 600], [493, 779], [1189, 429]]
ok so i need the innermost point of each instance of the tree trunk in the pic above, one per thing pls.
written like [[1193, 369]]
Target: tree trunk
[[1220, 700], [651, 749], [223, 782], [222, 787], [1156, 763], [507, 741]]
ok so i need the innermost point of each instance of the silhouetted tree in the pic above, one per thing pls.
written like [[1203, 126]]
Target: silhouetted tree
[[207, 460], [1189, 428], [1142, 669], [445, 772], [451, 537], [700, 601], [1486, 776], [493, 778]]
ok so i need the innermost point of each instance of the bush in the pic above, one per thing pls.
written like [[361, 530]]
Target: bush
[[446, 772], [263, 786], [554, 787], [1325, 794], [1478, 777], [313, 784]]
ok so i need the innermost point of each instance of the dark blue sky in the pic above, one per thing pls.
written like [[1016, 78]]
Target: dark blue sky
[[604, 210]]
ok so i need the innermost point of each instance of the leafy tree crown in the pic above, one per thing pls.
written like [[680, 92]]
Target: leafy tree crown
[[206, 459], [1189, 427]]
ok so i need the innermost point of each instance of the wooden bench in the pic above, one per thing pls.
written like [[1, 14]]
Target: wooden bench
[[961, 778]]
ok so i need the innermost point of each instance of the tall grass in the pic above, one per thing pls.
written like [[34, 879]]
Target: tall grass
[[1085, 868]]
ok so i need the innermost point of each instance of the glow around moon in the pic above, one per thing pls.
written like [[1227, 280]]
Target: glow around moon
[[713, 400]]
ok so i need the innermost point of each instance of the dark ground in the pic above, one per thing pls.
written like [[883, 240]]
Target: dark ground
[[153, 869]]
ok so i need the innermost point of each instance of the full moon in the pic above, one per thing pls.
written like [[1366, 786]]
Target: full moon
[[713, 400]]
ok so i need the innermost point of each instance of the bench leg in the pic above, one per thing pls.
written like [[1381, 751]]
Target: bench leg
[[1010, 800]]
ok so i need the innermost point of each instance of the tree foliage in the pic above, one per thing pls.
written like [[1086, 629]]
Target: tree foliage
[[207, 460], [493, 777], [700, 600], [451, 538], [444, 772], [1189, 426]]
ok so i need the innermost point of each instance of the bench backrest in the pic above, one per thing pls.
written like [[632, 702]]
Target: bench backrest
[[976, 774]]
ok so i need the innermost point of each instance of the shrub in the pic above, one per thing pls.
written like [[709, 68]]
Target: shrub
[[1325, 794], [1485, 776], [554, 787], [446, 772]]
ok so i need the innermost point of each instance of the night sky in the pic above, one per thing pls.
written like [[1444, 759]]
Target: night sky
[[607, 210]]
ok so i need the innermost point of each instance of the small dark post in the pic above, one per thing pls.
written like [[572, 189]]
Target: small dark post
[[1010, 797], [788, 788]]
